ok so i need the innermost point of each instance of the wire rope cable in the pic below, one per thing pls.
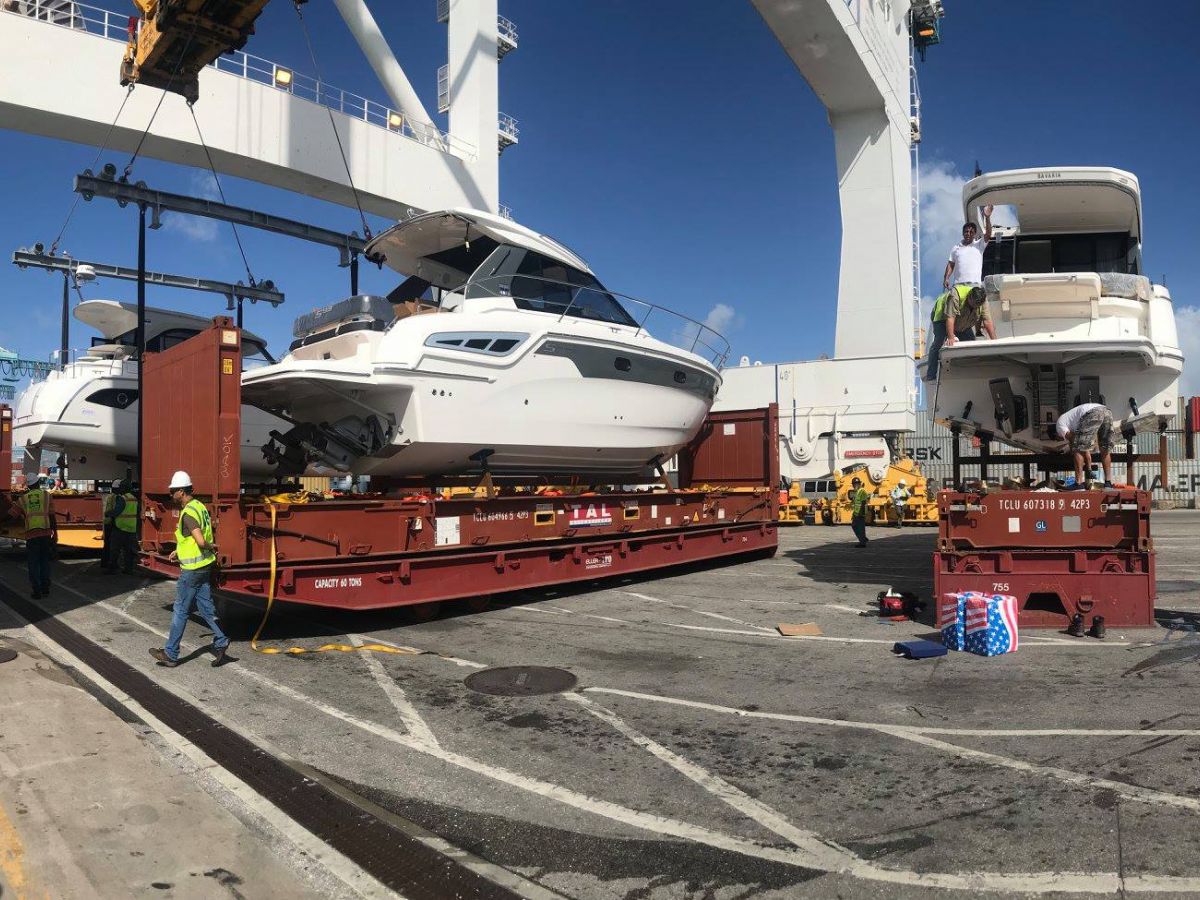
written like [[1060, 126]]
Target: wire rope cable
[[103, 146], [333, 125], [221, 192], [166, 89]]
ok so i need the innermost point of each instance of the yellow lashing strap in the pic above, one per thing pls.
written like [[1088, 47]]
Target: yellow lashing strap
[[281, 499]]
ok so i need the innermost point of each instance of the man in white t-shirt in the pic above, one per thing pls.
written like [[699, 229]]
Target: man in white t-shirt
[[1083, 428], [965, 265]]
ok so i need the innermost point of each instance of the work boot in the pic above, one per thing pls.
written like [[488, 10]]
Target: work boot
[[160, 655], [1075, 629], [218, 656], [1097, 630]]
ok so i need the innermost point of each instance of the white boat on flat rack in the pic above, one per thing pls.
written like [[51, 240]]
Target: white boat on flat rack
[[1076, 320], [87, 411], [525, 364]]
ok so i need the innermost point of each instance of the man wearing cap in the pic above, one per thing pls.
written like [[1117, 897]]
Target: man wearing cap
[[123, 517], [40, 535], [1085, 428], [859, 496], [195, 551], [900, 495]]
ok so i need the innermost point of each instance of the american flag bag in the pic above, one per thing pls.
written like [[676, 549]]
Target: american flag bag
[[990, 624], [950, 621]]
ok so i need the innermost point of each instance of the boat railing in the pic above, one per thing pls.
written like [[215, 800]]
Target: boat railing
[[115, 27], [612, 307]]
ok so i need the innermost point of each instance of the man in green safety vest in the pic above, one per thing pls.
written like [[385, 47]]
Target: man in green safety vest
[[109, 545], [859, 497], [40, 535], [122, 516], [957, 314], [962, 307], [195, 551]]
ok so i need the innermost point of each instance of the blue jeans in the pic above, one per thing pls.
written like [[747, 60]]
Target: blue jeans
[[194, 588], [935, 346], [38, 551], [859, 525]]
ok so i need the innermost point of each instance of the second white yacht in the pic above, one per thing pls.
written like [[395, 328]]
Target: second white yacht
[[525, 364], [1076, 319], [86, 412]]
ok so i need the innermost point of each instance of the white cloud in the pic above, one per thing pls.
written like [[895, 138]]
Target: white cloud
[[941, 217], [722, 319], [196, 228], [191, 227], [1187, 321]]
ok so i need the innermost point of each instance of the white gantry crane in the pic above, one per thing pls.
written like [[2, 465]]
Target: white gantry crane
[[266, 122], [857, 57]]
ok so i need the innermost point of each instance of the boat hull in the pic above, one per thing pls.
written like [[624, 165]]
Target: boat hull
[[538, 427], [1014, 391], [97, 440]]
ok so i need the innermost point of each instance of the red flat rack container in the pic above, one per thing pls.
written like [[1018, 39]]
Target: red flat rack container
[[1052, 585], [372, 552], [1113, 519]]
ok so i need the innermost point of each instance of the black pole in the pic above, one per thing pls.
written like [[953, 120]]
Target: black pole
[[141, 330], [66, 321], [239, 313], [354, 275]]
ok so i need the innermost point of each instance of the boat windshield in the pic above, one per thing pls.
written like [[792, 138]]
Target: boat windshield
[[1028, 254], [543, 284], [252, 348]]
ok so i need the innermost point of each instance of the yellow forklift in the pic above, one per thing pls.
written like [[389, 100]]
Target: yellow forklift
[[830, 503]]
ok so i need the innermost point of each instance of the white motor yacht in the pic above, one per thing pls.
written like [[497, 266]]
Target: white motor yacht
[[1076, 319], [524, 364], [87, 411]]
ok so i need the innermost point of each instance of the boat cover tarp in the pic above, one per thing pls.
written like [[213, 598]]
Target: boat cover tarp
[[362, 306], [1112, 284]]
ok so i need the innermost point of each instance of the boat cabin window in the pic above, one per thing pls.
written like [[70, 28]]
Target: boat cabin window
[[251, 348], [1031, 254], [539, 283]]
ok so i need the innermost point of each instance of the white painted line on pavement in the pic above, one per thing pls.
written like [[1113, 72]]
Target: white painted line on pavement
[[413, 723], [832, 855]]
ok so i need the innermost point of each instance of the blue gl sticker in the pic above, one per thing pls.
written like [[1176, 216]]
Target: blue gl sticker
[[1040, 525]]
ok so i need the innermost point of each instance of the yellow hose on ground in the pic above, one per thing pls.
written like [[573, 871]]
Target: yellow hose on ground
[[296, 651]]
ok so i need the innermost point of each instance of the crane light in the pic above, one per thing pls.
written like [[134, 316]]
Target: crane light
[[283, 77], [395, 121]]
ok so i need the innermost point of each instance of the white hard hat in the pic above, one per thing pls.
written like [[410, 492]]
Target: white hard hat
[[180, 479], [902, 481]]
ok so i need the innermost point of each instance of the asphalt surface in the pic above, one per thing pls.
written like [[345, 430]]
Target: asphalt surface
[[701, 754]]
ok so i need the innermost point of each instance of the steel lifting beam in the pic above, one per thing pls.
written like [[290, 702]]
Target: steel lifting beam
[[89, 186], [26, 259]]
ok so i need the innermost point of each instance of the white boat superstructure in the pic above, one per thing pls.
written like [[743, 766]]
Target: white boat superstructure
[[87, 411], [1076, 319], [524, 364]]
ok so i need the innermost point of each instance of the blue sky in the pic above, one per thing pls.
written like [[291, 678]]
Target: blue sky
[[681, 154]]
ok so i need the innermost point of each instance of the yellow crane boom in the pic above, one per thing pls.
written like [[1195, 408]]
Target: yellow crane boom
[[178, 38]]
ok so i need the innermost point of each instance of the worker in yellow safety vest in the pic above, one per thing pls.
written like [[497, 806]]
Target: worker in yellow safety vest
[[40, 535], [962, 309], [109, 545], [195, 551], [123, 513], [859, 497]]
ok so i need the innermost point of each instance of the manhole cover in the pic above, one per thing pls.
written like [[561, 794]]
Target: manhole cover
[[7, 655], [521, 681]]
